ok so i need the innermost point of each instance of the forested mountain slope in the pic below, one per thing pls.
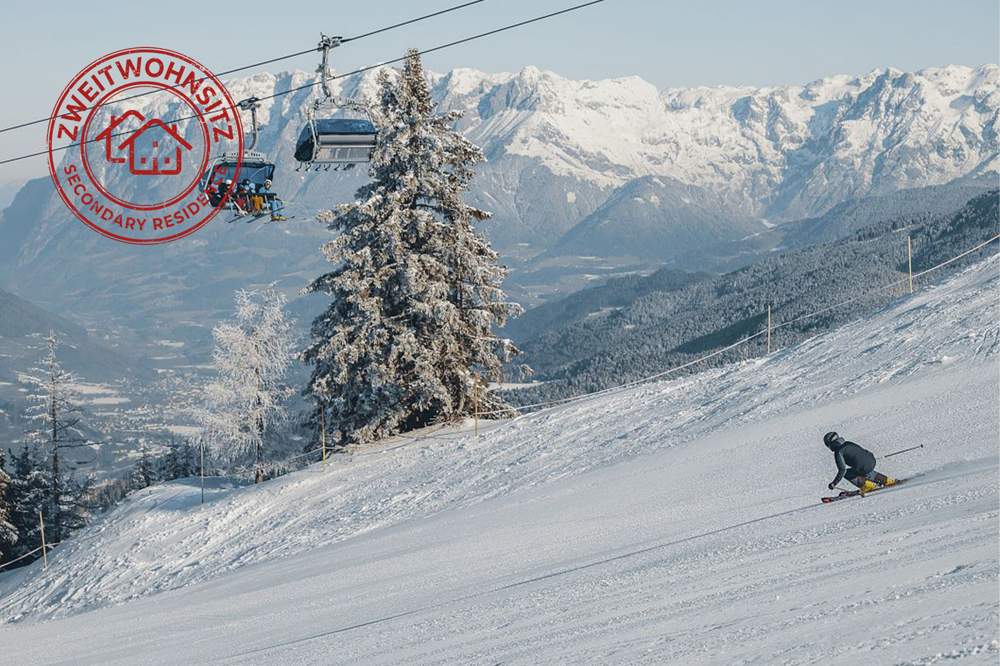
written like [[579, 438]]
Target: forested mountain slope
[[23, 327], [644, 329], [659, 218]]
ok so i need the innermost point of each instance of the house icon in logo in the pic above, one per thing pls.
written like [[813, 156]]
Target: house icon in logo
[[155, 149], [109, 134]]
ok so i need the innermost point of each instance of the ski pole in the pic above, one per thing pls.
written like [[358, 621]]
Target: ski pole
[[896, 453]]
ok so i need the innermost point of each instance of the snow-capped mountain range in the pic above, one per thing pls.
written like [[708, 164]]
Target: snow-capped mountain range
[[784, 152], [558, 147], [569, 163]]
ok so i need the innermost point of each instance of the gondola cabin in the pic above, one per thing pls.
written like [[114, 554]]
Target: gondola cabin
[[336, 141]]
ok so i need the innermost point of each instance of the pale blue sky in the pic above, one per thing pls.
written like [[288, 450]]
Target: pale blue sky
[[670, 43]]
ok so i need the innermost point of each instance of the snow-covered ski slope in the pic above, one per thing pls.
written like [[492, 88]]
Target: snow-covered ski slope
[[676, 522]]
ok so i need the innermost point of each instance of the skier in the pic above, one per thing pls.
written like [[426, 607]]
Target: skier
[[273, 201], [241, 198], [856, 464]]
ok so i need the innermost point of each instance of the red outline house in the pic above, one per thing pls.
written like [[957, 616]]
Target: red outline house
[[108, 134], [150, 165]]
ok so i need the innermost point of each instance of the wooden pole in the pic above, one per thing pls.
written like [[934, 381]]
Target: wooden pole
[[41, 530], [909, 260], [475, 402], [202, 470], [769, 328], [322, 431]]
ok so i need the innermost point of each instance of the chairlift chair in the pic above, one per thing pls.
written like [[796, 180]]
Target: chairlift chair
[[254, 167], [221, 181], [337, 143]]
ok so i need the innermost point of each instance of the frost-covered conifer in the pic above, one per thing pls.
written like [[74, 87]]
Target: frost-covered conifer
[[408, 338], [179, 461], [8, 533], [252, 354], [143, 475], [56, 418], [28, 493]]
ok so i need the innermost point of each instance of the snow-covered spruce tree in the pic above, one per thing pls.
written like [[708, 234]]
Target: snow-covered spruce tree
[[185, 456], [8, 533], [408, 338], [144, 473], [252, 354], [57, 419], [179, 462], [28, 493]]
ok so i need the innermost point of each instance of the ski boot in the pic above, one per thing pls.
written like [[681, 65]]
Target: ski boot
[[884, 481], [865, 486], [277, 217]]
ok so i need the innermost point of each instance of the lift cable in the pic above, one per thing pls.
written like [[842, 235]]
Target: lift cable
[[331, 78], [253, 65]]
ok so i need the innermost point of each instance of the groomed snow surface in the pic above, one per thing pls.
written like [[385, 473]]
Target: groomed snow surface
[[677, 522]]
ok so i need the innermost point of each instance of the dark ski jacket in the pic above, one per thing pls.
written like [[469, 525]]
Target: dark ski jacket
[[849, 455]]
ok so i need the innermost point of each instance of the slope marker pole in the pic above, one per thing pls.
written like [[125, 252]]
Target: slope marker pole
[[909, 260], [769, 329], [202, 470], [41, 529], [475, 403], [322, 432]]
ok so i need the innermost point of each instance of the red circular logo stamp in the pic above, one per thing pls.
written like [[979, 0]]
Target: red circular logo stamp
[[153, 144]]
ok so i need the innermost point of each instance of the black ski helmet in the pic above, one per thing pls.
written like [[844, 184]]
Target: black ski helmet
[[830, 439]]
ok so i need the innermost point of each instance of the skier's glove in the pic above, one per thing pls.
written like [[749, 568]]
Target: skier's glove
[[830, 486]]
